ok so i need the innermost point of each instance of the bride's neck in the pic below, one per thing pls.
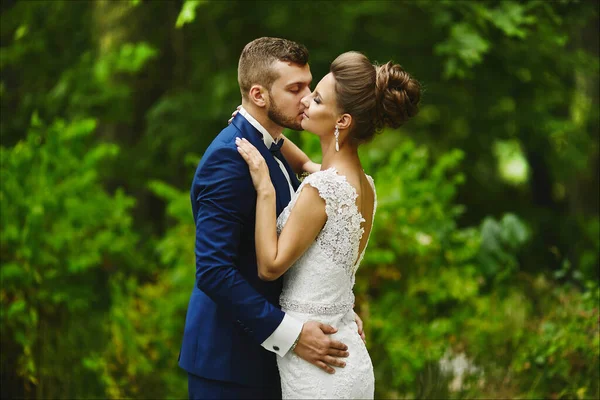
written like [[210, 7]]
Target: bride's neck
[[348, 154]]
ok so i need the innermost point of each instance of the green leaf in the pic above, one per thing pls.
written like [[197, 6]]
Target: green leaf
[[21, 31], [510, 17], [188, 12], [12, 272], [16, 308]]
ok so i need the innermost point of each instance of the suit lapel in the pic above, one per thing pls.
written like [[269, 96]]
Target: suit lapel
[[292, 174], [279, 182]]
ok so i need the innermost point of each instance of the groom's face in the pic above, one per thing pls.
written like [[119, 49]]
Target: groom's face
[[285, 107]]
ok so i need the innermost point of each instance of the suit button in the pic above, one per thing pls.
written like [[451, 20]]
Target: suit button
[[275, 348]]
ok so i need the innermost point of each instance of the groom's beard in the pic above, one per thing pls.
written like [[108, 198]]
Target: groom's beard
[[280, 119]]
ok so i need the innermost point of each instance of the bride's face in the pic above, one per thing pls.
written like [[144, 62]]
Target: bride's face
[[320, 114]]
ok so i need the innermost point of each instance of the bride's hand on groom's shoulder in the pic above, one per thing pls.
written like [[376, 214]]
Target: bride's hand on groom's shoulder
[[316, 347], [233, 114], [257, 166]]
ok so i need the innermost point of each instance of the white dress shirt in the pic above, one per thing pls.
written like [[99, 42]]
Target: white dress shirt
[[268, 139], [282, 338]]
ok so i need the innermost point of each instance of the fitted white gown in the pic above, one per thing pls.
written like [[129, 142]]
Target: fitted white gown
[[318, 287]]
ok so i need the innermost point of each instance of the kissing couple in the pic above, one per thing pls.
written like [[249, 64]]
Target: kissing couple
[[271, 313]]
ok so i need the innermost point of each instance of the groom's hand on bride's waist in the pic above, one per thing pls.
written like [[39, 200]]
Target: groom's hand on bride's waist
[[316, 347], [359, 324]]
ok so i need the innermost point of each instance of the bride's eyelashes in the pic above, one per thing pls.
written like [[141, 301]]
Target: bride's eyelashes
[[316, 96]]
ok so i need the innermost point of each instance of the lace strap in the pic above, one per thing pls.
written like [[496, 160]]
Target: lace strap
[[332, 188]]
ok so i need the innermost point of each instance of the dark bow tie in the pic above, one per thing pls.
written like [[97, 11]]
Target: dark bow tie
[[275, 148]]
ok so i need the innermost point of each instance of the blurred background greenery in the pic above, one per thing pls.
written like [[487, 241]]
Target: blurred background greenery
[[481, 278]]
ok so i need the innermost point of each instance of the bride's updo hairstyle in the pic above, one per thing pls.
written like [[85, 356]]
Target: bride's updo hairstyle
[[375, 96]]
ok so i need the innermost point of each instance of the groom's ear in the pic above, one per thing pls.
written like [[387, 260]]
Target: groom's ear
[[258, 95], [344, 121]]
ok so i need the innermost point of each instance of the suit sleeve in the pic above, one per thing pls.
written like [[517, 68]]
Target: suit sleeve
[[224, 200]]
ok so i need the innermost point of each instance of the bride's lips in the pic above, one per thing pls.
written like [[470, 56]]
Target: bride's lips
[[304, 115]]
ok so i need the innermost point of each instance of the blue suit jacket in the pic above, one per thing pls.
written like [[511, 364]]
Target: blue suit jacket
[[231, 311]]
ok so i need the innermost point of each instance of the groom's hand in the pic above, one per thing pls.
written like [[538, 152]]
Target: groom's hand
[[359, 324], [316, 347]]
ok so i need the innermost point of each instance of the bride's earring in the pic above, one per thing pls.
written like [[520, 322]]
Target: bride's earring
[[337, 134]]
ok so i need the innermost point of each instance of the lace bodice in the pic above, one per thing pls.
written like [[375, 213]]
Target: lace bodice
[[321, 280], [319, 287]]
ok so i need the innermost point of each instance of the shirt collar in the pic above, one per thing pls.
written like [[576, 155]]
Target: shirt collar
[[267, 138]]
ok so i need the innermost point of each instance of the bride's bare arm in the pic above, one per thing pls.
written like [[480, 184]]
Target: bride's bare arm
[[297, 159], [275, 255]]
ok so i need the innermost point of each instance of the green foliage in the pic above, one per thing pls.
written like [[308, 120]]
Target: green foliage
[[62, 236], [561, 351], [129, 58], [500, 242], [188, 12], [430, 289], [484, 254], [419, 265], [145, 329]]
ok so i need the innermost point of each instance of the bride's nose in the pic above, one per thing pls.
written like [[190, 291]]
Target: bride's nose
[[305, 101]]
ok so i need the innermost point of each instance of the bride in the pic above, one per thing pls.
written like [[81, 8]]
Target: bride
[[321, 236]]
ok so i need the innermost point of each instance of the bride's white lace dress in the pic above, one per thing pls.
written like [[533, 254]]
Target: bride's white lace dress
[[319, 286]]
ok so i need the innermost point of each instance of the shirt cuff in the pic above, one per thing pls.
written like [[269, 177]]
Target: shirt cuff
[[284, 336]]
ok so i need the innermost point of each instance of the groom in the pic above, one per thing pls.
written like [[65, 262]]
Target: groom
[[234, 329]]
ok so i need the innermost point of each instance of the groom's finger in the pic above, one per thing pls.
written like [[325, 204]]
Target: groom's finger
[[325, 367], [338, 353], [359, 323], [327, 329], [334, 344], [334, 361]]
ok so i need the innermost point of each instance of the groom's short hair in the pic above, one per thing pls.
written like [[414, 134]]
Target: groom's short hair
[[258, 56]]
